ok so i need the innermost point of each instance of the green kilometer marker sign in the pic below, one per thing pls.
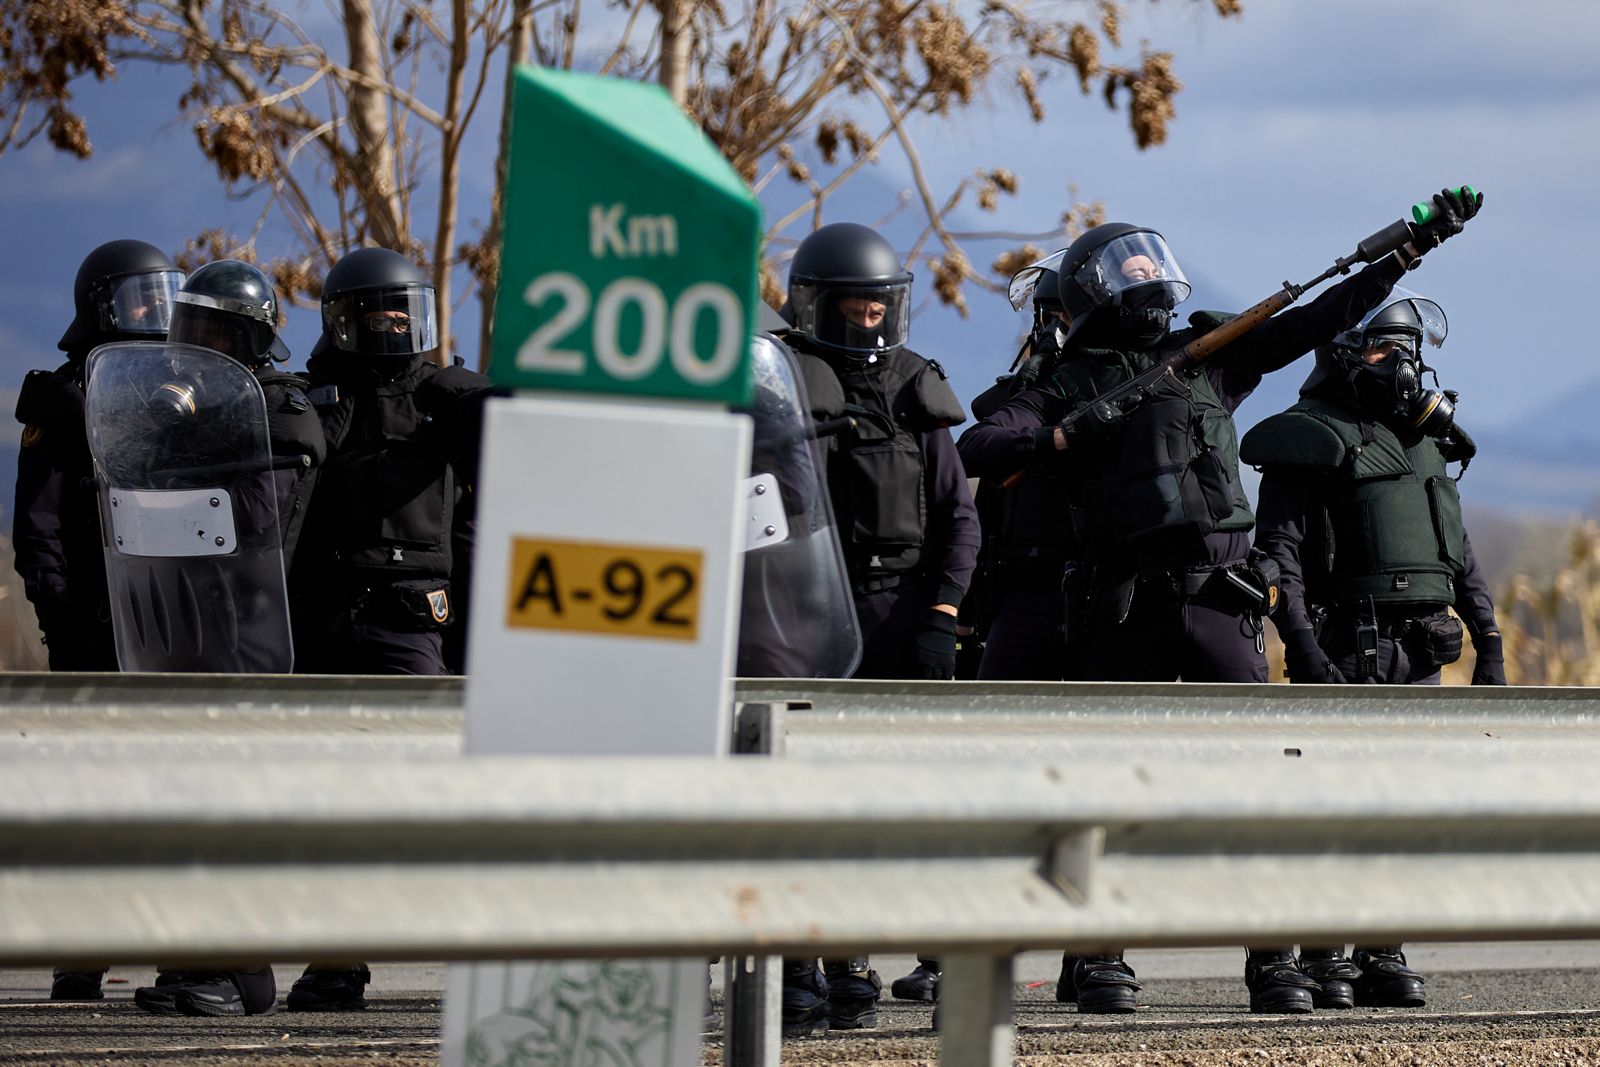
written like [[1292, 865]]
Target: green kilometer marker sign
[[631, 247]]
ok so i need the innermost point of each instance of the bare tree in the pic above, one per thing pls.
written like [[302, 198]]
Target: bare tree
[[364, 146]]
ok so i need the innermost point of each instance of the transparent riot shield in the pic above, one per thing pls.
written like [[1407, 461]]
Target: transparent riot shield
[[797, 618], [188, 510]]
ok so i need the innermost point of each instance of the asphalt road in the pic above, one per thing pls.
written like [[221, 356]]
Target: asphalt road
[[1523, 1003]]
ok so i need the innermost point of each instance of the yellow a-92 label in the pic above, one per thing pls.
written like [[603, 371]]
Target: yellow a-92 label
[[624, 590]]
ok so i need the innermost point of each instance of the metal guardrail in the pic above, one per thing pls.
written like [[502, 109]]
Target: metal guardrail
[[1163, 815], [118, 717], [1090, 722], [671, 857], [490, 858]]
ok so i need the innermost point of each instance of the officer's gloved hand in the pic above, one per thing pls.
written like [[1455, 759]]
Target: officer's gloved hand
[[1491, 666], [1095, 422], [1451, 210], [936, 645], [1306, 662]]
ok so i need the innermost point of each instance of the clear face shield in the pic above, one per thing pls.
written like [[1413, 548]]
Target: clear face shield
[[392, 321], [861, 319], [247, 340], [1387, 346], [1136, 270], [139, 303], [1026, 280]]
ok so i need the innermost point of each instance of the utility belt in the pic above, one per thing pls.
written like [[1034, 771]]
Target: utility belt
[[411, 605], [875, 584], [1250, 584], [1432, 640], [1028, 570]]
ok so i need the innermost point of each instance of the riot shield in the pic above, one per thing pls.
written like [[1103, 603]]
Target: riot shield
[[797, 618], [188, 510]]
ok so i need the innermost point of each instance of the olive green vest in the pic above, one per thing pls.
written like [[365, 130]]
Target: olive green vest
[[1393, 512]]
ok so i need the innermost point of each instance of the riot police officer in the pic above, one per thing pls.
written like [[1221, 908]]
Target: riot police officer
[[1028, 564], [1360, 515], [905, 516], [1176, 591], [230, 307], [378, 573], [123, 292]]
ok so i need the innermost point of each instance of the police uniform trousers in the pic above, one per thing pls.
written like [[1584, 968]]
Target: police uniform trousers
[[1199, 638], [1401, 661], [353, 647], [890, 620], [1024, 642]]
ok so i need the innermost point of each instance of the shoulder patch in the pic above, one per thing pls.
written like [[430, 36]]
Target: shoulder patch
[[32, 434]]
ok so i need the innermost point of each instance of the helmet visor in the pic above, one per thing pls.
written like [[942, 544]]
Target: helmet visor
[[853, 318], [140, 303], [245, 339], [1429, 315], [396, 320], [1026, 281], [1134, 268]]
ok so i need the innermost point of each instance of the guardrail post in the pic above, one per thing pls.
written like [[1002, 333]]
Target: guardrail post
[[975, 1010], [752, 1003]]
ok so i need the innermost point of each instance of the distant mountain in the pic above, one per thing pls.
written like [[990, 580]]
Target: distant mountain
[[1548, 463]]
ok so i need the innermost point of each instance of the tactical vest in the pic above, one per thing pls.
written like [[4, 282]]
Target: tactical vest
[[1393, 514], [1170, 476], [385, 500], [875, 470]]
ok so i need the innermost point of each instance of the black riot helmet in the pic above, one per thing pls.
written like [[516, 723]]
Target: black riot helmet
[[123, 291], [849, 291], [1379, 363], [1039, 281], [230, 307], [1128, 270], [377, 303]]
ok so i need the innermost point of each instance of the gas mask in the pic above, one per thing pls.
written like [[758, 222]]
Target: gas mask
[[1391, 386]]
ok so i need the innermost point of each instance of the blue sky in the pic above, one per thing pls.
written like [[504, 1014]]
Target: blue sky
[[1305, 125]]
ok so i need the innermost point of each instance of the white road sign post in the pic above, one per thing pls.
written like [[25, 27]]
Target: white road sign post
[[607, 570]]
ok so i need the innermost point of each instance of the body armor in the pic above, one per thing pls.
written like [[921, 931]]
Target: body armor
[[1392, 529]]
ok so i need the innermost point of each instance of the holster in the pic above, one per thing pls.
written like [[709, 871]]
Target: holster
[[1076, 583]]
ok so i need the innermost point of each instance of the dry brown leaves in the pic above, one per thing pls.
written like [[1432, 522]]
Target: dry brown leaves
[[44, 46], [1009, 262]]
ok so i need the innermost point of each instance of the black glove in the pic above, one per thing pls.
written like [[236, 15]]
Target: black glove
[[1306, 662], [1451, 211], [1491, 666], [936, 645], [1094, 422], [969, 654]]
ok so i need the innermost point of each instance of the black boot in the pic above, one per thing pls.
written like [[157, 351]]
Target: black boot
[[76, 985], [1333, 973], [1067, 984], [853, 992], [1105, 985], [1276, 985], [921, 985], [1386, 981], [330, 987], [210, 993], [805, 999]]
